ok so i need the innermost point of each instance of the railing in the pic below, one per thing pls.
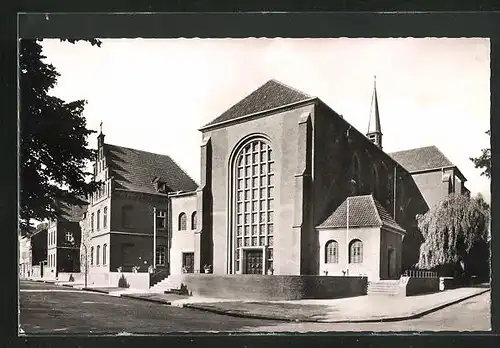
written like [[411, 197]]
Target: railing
[[416, 273], [157, 276]]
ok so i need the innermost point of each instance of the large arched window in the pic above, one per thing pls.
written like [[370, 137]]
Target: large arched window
[[356, 176], [182, 222], [193, 221], [253, 217], [374, 183], [332, 252], [356, 251]]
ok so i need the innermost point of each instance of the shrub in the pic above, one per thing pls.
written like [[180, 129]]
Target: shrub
[[122, 282]]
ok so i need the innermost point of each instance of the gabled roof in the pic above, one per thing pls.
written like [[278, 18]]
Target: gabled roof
[[273, 94], [364, 211], [135, 170], [422, 158]]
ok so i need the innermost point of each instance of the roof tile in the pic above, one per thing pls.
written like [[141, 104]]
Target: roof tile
[[422, 158], [271, 95], [135, 170], [364, 211]]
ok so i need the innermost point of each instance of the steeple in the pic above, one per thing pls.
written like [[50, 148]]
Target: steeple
[[374, 131]]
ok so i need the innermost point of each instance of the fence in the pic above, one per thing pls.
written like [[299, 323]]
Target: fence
[[416, 273]]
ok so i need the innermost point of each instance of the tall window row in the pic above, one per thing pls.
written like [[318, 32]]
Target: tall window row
[[97, 222], [254, 199], [98, 255]]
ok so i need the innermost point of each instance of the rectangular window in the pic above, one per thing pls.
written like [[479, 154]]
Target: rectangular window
[[161, 219], [98, 219], [105, 217]]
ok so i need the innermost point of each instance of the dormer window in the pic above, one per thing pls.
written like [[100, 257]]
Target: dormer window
[[159, 185]]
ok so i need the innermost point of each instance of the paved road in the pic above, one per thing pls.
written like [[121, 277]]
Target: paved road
[[58, 310]]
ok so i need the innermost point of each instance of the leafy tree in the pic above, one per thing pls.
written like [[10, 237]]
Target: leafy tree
[[484, 161], [53, 139], [451, 229]]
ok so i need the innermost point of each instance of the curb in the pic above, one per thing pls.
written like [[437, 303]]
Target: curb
[[96, 290], [371, 320], [146, 299]]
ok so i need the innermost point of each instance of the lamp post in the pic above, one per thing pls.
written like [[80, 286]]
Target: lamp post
[[86, 265], [347, 238], [154, 238]]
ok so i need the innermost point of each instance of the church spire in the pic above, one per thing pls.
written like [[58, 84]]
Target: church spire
[[374, 129]]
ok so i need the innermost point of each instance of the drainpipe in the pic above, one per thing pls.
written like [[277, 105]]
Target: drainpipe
[[347, 239], [154, 238]]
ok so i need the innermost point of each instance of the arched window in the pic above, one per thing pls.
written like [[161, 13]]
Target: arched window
[[92, 256], [356, 175], [193, 221], [160, 255], [98, 255], [332, 252], [356, 251], [104, 253], [105, 217], [253, 199], [182, 222]]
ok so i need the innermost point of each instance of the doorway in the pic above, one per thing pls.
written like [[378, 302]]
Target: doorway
[[188, 262], [391, 263], [253, 262]]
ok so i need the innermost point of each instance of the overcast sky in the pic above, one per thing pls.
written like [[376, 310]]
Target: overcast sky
[[154, 94]]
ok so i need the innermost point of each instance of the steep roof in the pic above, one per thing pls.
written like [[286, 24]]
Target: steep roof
[[364, 211], [135, 170], [422, 158], [374, 121], [271, 95]]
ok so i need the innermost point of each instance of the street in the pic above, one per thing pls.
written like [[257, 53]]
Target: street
[[50, 309]]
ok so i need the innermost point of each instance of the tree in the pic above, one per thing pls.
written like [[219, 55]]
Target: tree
[[451, 229], [484, 161], [53, 139]]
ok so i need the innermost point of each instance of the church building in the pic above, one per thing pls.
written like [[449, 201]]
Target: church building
[[287, 187]]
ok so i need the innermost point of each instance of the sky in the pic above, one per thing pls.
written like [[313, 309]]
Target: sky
[[154, 94]]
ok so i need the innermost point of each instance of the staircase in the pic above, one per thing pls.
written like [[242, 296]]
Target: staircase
[[171, 284], [384, 287]]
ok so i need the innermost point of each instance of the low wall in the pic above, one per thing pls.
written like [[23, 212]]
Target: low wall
[[65, 276], [273, 287], [410, 286], [129, 280]]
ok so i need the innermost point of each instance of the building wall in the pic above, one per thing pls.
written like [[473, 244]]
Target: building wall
[[369, 236], [282, 130], [389, 239], [181, 241], [39, 247], [140, 251], [432, 187], [333, 170]]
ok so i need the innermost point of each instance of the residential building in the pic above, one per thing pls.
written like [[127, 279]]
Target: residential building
[[120, 219], [25, 263]]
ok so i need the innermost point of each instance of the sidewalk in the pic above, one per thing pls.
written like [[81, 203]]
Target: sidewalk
[[345, 310]]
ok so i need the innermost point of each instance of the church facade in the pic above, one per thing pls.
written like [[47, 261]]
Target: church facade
[[287, 187]]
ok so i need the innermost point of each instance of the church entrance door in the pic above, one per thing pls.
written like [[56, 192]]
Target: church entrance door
[[253, 262], [188, 262]]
